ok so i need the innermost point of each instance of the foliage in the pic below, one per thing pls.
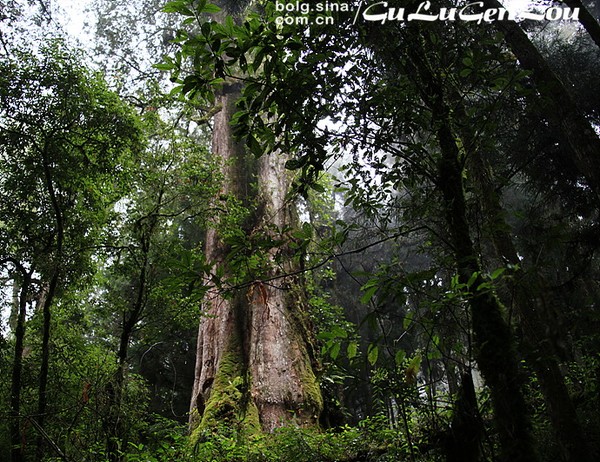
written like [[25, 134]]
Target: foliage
[[403, 250], [67, 143], [371, 440], [424, 116]]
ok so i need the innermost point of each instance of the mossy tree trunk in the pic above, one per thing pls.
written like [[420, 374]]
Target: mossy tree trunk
[[253, 367]]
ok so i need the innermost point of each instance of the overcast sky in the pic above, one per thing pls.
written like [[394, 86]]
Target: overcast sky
[[70, 14]]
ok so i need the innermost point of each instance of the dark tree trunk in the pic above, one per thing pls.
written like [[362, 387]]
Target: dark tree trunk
[[116, 433], [16, 437], [463, 442], [528, 304], [494, 344], [531, 312], [48, 300]]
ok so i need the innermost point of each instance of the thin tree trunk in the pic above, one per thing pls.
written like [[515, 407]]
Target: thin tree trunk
[[48, 301], [116, 433], [16, 438], [14, 308]]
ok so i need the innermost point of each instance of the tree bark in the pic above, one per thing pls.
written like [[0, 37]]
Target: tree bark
[[16, 438], [463, 443], [49, 300], [253, 364]]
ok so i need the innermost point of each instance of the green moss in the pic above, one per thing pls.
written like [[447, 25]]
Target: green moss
[[312, 390], [370, 440], [229, 404], [230, 411], [302, 333]]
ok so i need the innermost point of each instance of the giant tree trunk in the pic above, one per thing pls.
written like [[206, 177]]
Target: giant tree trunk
[[253, 364]]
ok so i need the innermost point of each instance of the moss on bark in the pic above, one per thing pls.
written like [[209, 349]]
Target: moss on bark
[[229, 402]]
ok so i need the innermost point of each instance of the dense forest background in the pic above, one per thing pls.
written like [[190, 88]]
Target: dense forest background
[[234, 233]]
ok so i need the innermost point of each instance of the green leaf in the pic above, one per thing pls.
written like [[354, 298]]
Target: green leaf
[[210, 8], [369, 293], [352, 350], [176, 90], [415, 363], [217, 81], [339, 332], [317, 187], [335, 350], [399, 357], [163, 66], [454, 282], [472, 279], [373, 354], [496, 274], [408, 320], [484, 286], [177, 6], [413, 369], [254, 146], [229, 25], [325, 335]]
